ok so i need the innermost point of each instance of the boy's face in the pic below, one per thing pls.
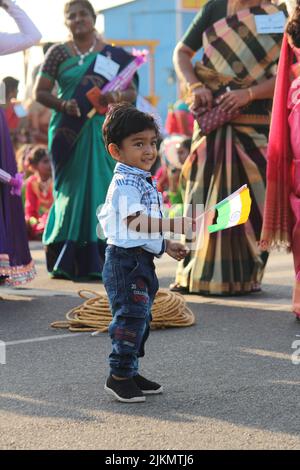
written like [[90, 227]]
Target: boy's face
[[138, 150]]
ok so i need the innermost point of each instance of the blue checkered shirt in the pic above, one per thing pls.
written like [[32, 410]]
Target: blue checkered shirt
[[129, 193]]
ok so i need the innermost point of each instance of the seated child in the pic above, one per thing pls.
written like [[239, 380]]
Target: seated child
[[168, 154], [38, 193], [132, 221], [174, 192], [174, 152]]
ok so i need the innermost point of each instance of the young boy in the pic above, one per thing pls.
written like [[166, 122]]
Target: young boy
[[132, 222]]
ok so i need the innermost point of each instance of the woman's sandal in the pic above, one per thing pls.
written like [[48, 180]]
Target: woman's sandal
[[176, 287], [256, 287]]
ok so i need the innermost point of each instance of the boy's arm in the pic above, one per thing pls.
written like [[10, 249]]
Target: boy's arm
[[143, 223]]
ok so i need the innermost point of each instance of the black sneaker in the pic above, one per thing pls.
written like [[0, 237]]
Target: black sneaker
[[125, 391], [146, 386]]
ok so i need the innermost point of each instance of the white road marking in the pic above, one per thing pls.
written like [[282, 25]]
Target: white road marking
[[43, 338]]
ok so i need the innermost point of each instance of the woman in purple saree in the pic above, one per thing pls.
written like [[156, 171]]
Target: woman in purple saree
[[16, 265]]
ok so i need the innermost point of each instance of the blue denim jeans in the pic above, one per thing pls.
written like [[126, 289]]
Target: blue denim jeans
[[131, 285]]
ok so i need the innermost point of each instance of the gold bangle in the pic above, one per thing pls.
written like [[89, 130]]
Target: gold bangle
[[194, 85], [251, 93]]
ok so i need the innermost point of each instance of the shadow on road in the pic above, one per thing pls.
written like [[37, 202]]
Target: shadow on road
[[234, 366]]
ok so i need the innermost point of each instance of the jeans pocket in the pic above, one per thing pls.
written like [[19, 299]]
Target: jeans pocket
[[130, 264]]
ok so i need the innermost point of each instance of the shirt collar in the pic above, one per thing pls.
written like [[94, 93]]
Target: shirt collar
[[126, 169]]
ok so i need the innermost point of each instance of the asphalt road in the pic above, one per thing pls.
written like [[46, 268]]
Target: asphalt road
[[229, 381]]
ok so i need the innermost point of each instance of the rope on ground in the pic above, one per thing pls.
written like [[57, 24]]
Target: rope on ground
[[169, 310]]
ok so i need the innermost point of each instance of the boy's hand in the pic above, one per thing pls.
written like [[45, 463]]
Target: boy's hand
[[176, 250]]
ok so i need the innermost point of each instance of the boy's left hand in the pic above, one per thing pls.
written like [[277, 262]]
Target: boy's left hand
[[176, 250]]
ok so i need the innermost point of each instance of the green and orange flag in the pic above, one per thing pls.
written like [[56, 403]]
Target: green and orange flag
[[232, 211]]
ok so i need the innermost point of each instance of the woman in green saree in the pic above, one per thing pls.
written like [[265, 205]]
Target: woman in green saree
[[238, 70], [82, 167]]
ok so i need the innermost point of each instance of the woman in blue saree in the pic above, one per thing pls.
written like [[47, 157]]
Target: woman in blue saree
[[82, 167]]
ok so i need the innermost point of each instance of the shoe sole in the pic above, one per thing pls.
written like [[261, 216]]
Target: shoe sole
[[153, 392], [124, 400]]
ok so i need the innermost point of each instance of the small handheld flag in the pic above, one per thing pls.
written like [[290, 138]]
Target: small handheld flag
[[118, 83], [232, 211]]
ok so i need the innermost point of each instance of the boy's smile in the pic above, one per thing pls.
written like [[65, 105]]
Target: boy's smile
[[138, 150]]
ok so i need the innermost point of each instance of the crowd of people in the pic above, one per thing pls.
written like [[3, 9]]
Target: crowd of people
[[250, 78]]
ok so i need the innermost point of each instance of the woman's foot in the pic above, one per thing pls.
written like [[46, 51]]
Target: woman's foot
[[176, 287], [256, 287]]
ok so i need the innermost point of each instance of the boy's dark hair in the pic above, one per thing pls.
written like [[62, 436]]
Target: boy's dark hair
[[123, 120], [11, 84], [37, 154]]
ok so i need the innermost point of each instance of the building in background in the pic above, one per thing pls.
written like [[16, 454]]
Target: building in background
[[153, 20]]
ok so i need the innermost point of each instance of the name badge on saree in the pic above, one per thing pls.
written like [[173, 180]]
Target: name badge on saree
[[268, 24], [106, 67]]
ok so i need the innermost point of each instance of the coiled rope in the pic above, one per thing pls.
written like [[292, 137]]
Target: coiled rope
[[168, 310]]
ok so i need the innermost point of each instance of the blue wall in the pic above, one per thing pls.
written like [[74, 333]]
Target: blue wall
[[152, 20]]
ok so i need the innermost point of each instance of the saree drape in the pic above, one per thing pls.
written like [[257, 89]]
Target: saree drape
[[282, 209]]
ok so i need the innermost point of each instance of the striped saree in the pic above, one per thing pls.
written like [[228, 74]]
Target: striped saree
[[229, 262]]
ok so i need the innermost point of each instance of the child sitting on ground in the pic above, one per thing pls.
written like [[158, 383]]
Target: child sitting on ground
[[132, 221], [38, 194], [174, 151], [173, 195]]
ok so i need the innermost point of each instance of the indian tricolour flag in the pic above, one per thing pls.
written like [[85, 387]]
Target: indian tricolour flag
[[234, 210]]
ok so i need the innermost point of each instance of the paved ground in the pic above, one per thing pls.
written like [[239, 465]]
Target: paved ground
[[229, 381]]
